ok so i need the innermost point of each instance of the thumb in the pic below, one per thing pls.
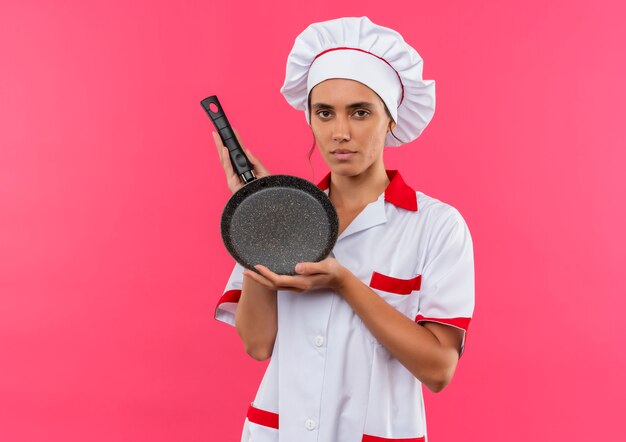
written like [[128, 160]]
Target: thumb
[[258, 166], [308, 268]]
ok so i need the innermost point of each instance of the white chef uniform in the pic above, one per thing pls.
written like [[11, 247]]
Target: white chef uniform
[[328, 379]]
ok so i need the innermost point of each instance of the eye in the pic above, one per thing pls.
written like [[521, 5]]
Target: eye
[[361, 113], [324, 114]]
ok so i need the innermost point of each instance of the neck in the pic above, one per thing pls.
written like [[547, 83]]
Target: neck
[[351, 192]]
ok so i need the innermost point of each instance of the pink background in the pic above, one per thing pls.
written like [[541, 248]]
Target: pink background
[[110, 197]]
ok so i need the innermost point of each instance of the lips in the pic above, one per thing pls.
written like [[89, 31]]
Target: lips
[[341, 151], [343, 154]]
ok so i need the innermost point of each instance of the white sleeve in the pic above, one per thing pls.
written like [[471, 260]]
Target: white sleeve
[[447, 290], [227, 304]]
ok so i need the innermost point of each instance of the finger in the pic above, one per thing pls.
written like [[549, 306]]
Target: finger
[[224, 155], [303, 284], [226, 164], [316, 281], [269, 284], [267, 273], [218, 143], [282, 281], [259, 279], [311, 268]]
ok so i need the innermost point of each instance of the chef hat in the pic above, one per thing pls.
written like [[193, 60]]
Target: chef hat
[[357, 49]]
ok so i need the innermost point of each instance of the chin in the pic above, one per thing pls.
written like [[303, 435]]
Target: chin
[[347, 168]]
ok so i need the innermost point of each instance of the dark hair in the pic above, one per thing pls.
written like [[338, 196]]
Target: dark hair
[[312, 149]]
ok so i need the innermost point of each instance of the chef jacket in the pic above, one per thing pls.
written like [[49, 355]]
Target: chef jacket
[[329, 379]]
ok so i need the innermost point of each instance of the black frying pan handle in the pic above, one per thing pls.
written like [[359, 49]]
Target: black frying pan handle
[[238, 158]]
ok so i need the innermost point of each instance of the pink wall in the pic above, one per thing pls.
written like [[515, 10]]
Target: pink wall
[[110, 197]]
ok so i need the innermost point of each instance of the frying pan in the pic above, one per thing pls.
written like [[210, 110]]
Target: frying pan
[[278, 220]]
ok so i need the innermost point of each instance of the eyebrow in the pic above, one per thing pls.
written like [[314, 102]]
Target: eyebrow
[[364, 104]]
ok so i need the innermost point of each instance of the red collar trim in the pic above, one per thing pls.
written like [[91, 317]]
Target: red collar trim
[[397, 192]]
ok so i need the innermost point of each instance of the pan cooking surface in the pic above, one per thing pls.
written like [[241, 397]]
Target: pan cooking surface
[[279, 221]]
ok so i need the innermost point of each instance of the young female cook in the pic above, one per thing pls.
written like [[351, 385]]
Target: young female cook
[[353, 338]]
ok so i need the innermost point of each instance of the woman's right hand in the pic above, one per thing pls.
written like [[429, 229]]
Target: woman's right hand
[[232, 179]]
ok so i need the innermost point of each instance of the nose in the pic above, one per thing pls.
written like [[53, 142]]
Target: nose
[[341, 129]]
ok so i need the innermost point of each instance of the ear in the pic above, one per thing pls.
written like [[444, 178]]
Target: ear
[[392, 125]]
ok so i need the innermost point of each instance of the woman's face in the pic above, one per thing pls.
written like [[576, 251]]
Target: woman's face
[[350, 124]]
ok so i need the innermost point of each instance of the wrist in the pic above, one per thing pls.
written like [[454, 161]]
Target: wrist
[[342, 280]]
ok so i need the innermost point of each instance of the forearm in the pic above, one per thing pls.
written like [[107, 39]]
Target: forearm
[[256, 319], [415, 346]]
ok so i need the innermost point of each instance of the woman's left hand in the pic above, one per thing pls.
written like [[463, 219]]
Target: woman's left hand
[[310, 276]]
